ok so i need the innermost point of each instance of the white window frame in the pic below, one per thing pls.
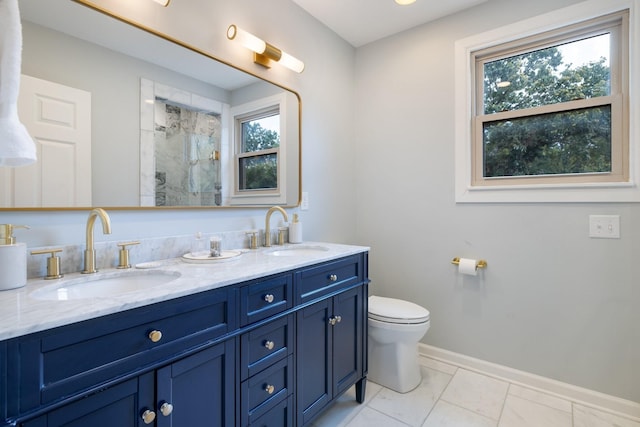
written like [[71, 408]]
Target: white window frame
[[466, 191], [258, 197]]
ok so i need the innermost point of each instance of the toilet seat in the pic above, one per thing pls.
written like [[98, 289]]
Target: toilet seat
[[391, 310]]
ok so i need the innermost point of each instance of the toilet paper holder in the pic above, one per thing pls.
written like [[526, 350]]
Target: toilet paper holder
[[480, 264]]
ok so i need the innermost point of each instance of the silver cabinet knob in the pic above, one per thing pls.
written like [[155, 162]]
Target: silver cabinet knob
[[333, 277], [148, 416], [155, 336], [166, 409], [333, 320], [269, 344], [269, 298], [269, 388]]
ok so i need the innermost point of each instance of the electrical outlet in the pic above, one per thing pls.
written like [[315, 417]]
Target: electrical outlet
[[604, 226], [304, 203]]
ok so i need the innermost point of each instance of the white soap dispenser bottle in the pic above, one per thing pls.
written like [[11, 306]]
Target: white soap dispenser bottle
[[295, 230], [13, 259]]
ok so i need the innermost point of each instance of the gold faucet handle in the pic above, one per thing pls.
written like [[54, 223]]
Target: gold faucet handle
[[53, 263], [253, 239], [281, 233], [124, 254]]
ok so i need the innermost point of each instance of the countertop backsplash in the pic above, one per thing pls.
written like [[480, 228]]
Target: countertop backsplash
[[152, 249]]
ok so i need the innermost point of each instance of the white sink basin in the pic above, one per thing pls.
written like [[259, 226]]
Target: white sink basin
[[298, 251], [103, 285]]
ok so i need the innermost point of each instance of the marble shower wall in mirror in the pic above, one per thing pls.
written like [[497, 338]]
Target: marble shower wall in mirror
[[180, 144]]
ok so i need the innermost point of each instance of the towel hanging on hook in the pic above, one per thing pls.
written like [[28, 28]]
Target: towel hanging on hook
[[17, 148]]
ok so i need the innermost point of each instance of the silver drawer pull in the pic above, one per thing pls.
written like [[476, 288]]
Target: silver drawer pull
[[269, 298], [155, 336], [333, 277], [268, 344], [166, 409], [148, 416], [333, 320], [269, 388]]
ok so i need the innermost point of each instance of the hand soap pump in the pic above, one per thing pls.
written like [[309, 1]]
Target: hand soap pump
[[295, 230], [13, 259]]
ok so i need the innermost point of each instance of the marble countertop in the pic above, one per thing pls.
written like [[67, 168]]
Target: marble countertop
[[21, 313]]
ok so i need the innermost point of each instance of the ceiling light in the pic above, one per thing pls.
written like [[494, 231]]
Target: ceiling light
[[405, 2], [263, 52]]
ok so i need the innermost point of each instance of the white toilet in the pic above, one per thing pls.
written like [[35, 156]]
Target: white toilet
[[395, 327]]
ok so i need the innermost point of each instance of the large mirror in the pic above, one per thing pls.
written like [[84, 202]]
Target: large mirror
[[164, 122]]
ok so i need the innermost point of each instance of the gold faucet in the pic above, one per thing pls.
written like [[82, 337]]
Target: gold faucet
[[89, 252], [267, 227]]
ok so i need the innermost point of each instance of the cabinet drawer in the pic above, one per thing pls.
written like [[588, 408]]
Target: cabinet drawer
[[321, 280], [265, 298], [265, 390], [70, 359], [265, 345], [280, 415]]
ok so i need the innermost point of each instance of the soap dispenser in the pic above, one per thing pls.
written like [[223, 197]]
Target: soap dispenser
[[13, 259], [295, 230]]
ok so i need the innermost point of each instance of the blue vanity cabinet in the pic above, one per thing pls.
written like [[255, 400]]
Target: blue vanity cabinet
[[274, 351], [331, 337]]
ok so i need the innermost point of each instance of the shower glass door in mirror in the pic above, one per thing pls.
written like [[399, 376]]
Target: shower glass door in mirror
[[180, 145]]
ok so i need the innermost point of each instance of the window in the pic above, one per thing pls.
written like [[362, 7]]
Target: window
[[259, 141], [549, 110], [259, 147]]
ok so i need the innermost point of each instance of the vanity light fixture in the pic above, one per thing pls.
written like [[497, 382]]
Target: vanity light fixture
[[164, 3], [263, 52]]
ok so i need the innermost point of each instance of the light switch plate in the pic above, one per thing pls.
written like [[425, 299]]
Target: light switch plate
[[304, 203], [604, 226]]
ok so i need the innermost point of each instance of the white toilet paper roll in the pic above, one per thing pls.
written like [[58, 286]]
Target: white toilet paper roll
[[468, 267]]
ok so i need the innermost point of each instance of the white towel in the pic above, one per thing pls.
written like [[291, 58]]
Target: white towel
[[16, 146]]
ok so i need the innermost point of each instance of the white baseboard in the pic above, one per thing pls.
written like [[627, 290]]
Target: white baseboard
[[573, 393]]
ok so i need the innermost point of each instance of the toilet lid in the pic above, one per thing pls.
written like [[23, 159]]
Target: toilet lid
[[393, 310]]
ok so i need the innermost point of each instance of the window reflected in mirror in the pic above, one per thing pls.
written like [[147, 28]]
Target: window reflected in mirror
[[258, 157]]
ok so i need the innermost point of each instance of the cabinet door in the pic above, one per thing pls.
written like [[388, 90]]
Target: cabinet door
[[329, 350], [199, 388], [314, 362], [347, 339], [120, 405]]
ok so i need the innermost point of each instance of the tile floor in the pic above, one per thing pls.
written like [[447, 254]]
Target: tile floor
[[455, 397]]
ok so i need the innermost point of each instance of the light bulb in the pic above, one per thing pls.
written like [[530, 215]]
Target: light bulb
[[291, 63], [246, 39]]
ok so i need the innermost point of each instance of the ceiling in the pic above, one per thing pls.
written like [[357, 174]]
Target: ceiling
[[363, 21]]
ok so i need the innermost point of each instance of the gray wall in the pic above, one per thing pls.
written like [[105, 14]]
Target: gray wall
[[552, 301]]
